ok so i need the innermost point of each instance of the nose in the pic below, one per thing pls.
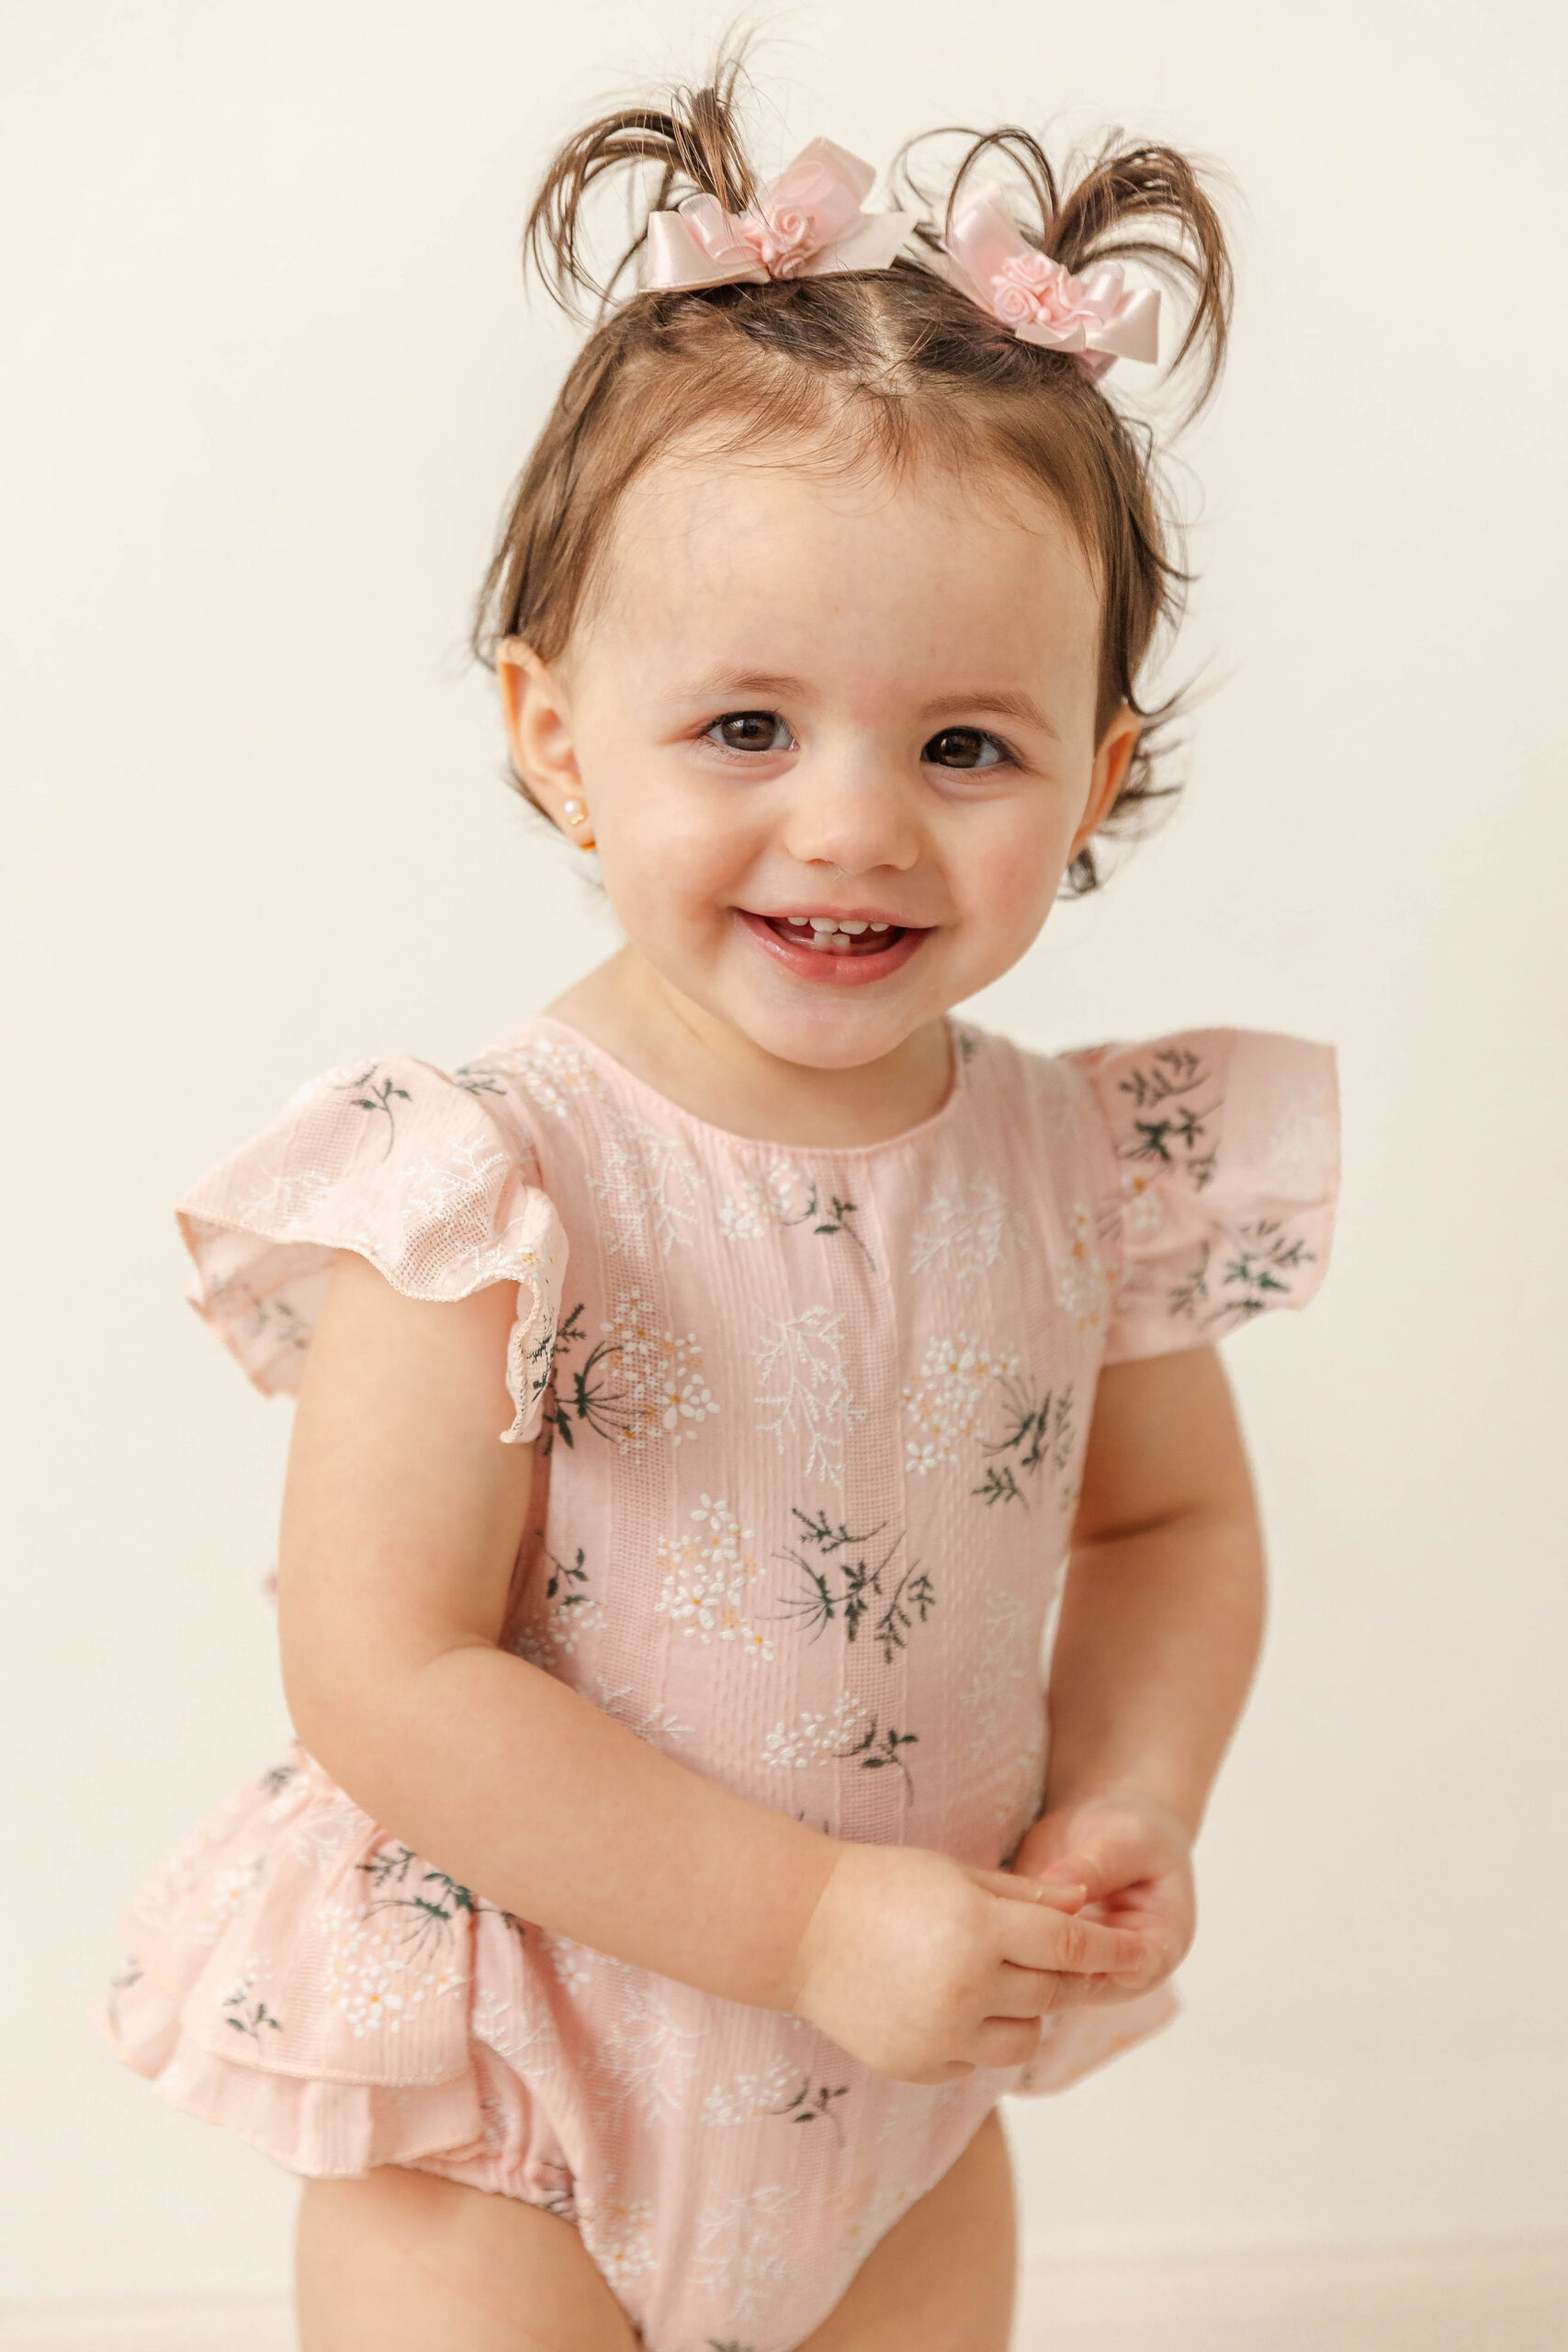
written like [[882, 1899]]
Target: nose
[[856, 814]]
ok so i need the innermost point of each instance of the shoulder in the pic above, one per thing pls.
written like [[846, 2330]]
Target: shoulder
[[428, 1175], [1219, 1171]]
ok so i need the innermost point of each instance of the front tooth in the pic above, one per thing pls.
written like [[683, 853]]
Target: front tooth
[[824, 922], [854, 928]]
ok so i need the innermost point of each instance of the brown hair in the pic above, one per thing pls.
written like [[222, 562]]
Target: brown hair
[[895, 364]]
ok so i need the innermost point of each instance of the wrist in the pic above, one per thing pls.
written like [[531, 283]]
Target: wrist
[[1178, 1810], [815, 1870]]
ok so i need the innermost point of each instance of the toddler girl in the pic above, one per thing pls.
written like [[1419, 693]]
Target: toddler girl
[[700, 1393]]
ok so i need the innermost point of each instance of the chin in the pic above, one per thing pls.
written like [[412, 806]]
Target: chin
[[838, 1034]]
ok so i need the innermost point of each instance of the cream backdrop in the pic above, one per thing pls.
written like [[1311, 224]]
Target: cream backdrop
[[272, 375]]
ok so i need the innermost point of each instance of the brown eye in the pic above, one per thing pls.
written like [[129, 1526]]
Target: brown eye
[[749, 730], [961, 747]]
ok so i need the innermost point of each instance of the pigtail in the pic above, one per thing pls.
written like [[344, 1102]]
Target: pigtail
[[694, 145], [1109, 208]]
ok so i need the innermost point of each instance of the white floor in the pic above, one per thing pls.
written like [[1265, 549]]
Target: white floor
[[1430, 2298]]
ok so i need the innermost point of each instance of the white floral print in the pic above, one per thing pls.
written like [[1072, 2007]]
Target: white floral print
[[746, 2096], [286, 1200], [372, 1971], [530, 2045], [435, 1187], [815, 1735], [226, 1893], [655, 1723], [964, 1227], [744, 2247], [328, 1828], [660, 1388], [1003, 1664], [1143, 1204], [649, 1185], [945, 1406], [809, 1399], [571, 1964], [619, 2236], [1081, 1285], [706, 1580], [550, 1073], [759, 1203], [641, 2054]]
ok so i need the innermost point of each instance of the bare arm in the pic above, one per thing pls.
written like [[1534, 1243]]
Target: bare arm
[[402, 1520], [1162, 1614], [1156, 1646]]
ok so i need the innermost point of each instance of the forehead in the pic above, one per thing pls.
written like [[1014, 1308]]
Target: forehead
[[778, 561]]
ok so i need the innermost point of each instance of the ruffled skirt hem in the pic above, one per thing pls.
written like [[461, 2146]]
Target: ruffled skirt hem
[[310, 1984]]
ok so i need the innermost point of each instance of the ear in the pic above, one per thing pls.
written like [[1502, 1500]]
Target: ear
[[538, 717], [1109, 774]]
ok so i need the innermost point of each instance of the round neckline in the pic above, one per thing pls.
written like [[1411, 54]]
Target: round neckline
[[957, 1086]]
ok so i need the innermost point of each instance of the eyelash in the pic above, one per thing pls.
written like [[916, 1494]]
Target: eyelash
[[1008, 759]]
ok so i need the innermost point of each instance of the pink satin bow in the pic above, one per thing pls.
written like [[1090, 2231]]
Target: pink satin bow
[[810, 223], [987, 258]]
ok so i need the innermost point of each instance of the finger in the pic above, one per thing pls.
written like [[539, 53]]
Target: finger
[[1105, 1860], [1063, 1872], [1046, 1938], [1017, 1888], [1003, 2041], [1022, 1886], [1041, 1992], [1063, 1893]]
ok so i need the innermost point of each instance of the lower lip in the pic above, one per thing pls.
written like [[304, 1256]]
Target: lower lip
[[830, 968]]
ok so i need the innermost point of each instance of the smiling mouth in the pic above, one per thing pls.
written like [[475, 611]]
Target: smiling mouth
[[836, 952], [829, 935]]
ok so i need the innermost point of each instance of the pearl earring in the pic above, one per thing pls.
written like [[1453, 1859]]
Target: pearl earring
[[576, 813]]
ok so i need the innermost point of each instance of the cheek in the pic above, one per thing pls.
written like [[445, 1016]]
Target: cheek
[[668, 846], [1011, 868]]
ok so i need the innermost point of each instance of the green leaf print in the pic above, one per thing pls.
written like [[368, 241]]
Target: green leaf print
[[592, 1391], [831, 1216], [366, 1095], [809, 2106], [261, 2015], [433, 1917], [877, 1749], [1174, 1134], [1248, 1282], [1038, 1431], [850, 1588]]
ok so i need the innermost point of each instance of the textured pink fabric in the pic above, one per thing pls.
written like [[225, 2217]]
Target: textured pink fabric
[[809, 1428]]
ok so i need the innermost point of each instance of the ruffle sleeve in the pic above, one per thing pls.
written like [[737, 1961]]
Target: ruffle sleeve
[[412, 1169], [1223, 1177]]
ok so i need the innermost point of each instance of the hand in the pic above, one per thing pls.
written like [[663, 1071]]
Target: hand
[[1131, 1858], [925, 1968]]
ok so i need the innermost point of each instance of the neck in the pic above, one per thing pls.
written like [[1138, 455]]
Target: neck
[[719, 1074]]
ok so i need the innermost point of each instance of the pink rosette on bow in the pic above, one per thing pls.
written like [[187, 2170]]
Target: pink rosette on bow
[[987, 257], [810, 223]]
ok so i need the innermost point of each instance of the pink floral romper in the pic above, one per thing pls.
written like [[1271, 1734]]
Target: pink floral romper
[[809, 1427]]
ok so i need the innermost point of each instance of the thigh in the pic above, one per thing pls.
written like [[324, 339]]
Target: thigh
[[943, 2279], [411, 2262]]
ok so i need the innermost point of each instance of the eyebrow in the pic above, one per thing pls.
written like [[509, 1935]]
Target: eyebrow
[[1002, 702]]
